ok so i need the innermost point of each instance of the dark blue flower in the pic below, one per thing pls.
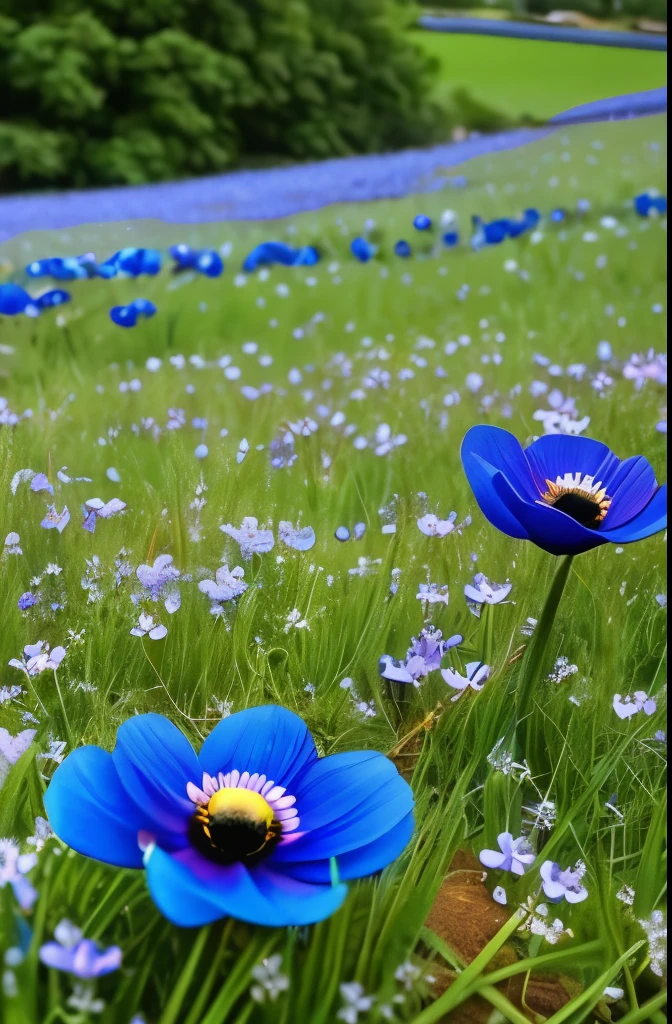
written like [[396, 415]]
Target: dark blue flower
[[55, 297], [14, 299], [646, 204], [451, 239], [362, 250], [67, 269], [204, 261], [248, 828], [422, 222], [132, 262], [566, 494], [27, 601], [267, 254], [403, 249], [127, 316]]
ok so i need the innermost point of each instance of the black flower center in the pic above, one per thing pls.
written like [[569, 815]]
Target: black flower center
[[581, 508]]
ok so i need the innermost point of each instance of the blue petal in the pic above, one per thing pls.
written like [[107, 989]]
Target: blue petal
[[89, 809], [553, 455], [270, 740], [487, 451], [346, 801], [155, 761], [367, 860], [548, 527], [191, 891], [650, 520], [630, 490]]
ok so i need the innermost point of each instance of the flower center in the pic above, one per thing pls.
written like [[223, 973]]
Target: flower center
[[579, 497], [239, 817]]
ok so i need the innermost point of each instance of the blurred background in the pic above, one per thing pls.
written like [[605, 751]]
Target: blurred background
[[103, 92]]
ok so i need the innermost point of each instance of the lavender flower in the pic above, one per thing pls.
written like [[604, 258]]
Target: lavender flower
[[225, 586], [432, 526], [299, 538], [79, 956], [630, 705], [516, 854], [56, 520], [13, 868], [477, 676], [159, 580], [558, 884], [26, 601], [12, 545], [95, 508], [147, 627], [251, 538], [484, 591], [423, 656], [38, 658]]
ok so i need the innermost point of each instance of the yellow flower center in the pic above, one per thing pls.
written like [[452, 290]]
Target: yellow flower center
[[235, 825]]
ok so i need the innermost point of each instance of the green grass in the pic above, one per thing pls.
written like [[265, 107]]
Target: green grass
[[609, 624], [524, 77]]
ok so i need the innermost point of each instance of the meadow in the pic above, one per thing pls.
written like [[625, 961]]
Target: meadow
[[333, 399], [520, 77]]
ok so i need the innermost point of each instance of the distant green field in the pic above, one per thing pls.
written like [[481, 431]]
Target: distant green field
[[520, 76]]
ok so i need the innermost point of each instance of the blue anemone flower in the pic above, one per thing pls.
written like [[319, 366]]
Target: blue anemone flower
[[67, 269], [558, 215], [127, 316], [267, 254], [362, 250], [15, 299], [248, 828], [205, 261], [54, 297], [402, 248], [566, 494], [645, 204], [451, 239], [422, 222]]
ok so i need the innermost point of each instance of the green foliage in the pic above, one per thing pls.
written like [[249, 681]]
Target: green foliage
[[107, 92]]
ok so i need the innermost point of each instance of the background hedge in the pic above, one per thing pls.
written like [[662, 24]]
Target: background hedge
[[109, 91]]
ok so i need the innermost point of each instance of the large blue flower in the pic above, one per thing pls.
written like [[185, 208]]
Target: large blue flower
[[566, 494], [245, 829]]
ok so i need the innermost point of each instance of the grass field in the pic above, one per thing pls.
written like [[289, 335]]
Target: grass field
[[520, 77], [412, 353]]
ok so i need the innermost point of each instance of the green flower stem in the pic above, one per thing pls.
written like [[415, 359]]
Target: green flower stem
[[535, 656]]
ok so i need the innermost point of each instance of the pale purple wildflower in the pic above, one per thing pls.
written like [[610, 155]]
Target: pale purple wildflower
[[225, 586], [477, 676], [147, 627], [558, 884], [253, 539], [56, 520], [159, 580], [423, 656], [95, 508], [299, 538], [631, 704], [79, 956], [38, 658], [484, 591], [40, 483], [12, 545], [12, 747], [14, 866], [516, 854], [432, 526], [26, 601]]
